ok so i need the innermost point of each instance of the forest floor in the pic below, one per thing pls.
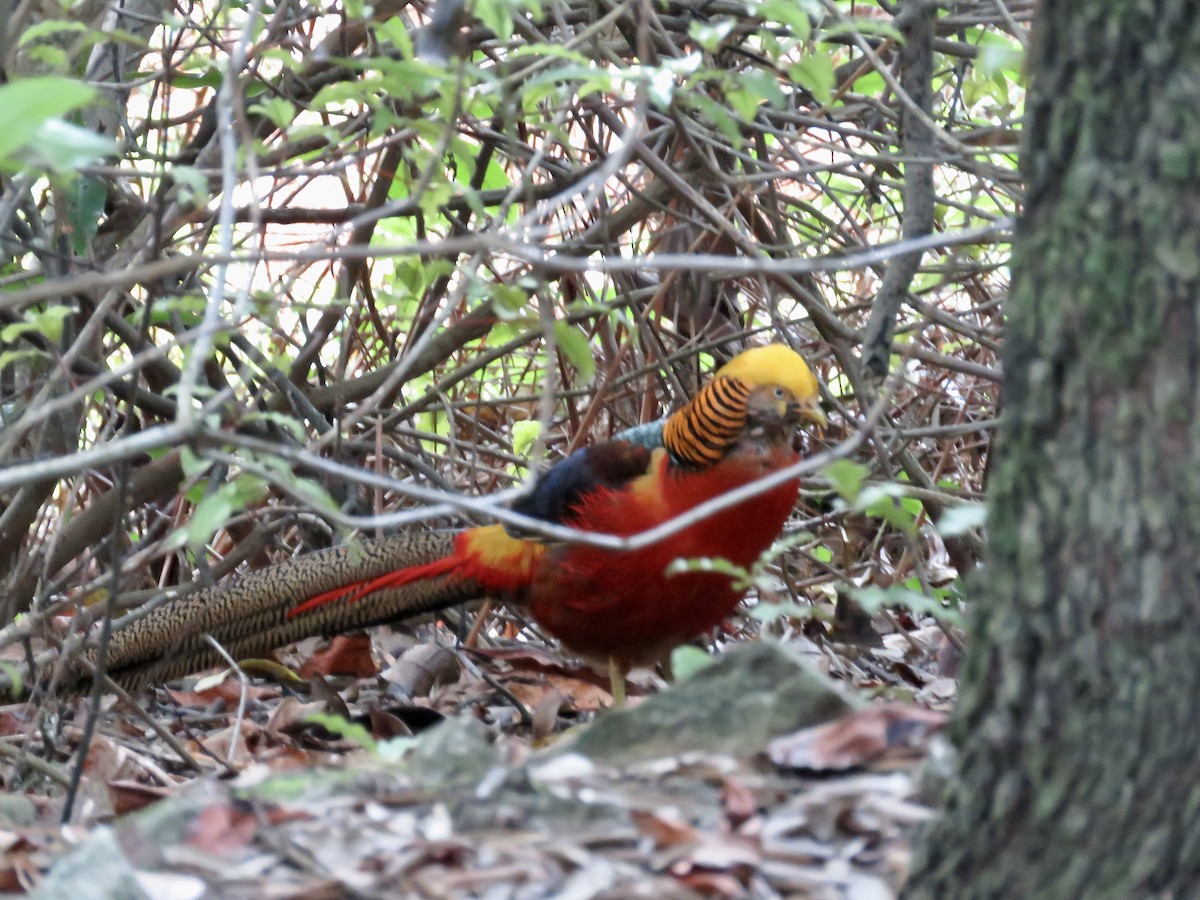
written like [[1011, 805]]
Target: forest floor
[[794, 769]]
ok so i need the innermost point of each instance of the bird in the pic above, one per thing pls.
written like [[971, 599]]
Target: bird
[[623, 607], [619, 607]]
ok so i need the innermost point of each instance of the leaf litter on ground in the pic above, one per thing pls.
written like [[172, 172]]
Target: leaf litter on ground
[[756, 777]]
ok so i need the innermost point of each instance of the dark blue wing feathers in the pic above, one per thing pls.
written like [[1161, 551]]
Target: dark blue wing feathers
[[557, 490]]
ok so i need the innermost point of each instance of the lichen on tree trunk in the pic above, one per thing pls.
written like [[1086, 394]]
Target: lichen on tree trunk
[[1078, 725]]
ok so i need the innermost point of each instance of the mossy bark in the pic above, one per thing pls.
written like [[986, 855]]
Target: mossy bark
[[1079, 723]]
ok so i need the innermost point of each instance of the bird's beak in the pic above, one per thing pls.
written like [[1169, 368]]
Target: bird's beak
[[813, 412]]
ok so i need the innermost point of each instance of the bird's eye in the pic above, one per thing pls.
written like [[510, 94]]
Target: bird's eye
[[779, 392]]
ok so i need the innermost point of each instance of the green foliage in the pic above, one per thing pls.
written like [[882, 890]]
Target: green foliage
[[281, 112], [709, 35], [49, 28], [524, 434], [574, 346], [85, 206], [15, 676], [187, 309], [22, 355], [215, 508], [997, 75], [47, 321], [847, 477], [772, 612], [687, 660], [60, 45], [876, 28], [756, 576], [741, 577], [797, 15], [32, 134], [961, 518], [873, 599], [815, 74], [554, 114], [391, 750], [344, 728], [888, 501]]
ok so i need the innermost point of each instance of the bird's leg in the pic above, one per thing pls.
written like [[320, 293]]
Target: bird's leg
[[616, 681]]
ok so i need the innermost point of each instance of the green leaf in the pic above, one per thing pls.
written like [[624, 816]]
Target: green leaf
[[289, 423], [523, 436], [8, 357], [872, 599], [210, 515], [312, 494], [997, 59], [717, 115], [510, 298], [394, 30], [687, 660], [351, 731], [193, 466], [210, 78], [791, 13], [847, 477], [660, 85], [191, 186], [865, 27], [52, 58], [62, 147], [496, 15], [344, 92], [765, 86], [49, 28], [961, 518], [574, 346], [280, 112], [744, 103], [86, 199], [27, 104], [742, 578], [214, 510], [815, 73], [709, 35], [47, 322], [888, 502], [769, 612], [16, 680]]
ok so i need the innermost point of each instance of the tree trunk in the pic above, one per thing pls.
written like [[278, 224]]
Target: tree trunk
[[1079, 723]]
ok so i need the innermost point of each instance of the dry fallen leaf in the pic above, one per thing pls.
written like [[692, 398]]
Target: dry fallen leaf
[[739, 801], [347, 654], [130, 796], [290, 717], [856, 739], [662, 831], [228, 690], [577, 694], [222, 828], [423, 667]]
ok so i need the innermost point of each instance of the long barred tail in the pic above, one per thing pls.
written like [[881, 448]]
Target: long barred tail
[[439, 568], [251, 615]]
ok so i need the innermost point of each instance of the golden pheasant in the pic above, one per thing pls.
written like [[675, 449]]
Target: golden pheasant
[[616, 605]]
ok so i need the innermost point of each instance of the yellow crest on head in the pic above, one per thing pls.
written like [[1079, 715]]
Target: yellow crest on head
[[774, 364]]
